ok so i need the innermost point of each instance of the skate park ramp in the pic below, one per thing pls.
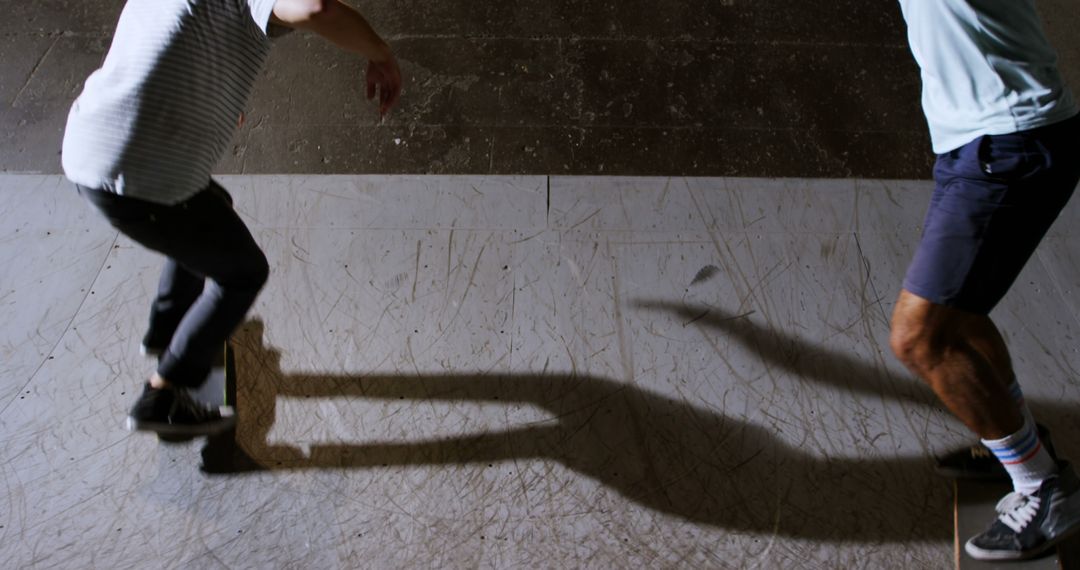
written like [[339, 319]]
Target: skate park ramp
[[610, 289], [507, 371]]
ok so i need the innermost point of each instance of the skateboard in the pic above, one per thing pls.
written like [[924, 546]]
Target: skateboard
[[974, 503], [218, 390]]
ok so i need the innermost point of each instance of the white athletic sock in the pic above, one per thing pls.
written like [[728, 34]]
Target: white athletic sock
[[1024, 457]]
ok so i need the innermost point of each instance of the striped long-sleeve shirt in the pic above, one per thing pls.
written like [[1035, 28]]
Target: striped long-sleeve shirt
[[156, 118]]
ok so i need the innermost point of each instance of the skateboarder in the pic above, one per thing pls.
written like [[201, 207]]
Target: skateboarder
[[141, 141], [1007, 136]]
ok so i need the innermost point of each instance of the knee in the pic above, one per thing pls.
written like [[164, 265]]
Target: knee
[[249, 276], [915, 343]]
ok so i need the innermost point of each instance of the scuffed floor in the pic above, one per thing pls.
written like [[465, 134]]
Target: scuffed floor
[[507, 372]]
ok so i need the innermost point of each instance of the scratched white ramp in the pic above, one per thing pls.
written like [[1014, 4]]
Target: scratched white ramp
[[520, 372], [51, 250]]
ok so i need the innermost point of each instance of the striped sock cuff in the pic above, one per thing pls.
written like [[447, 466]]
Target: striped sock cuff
[[1017, 448]]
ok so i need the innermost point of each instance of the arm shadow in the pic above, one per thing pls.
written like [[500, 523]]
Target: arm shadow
[[843, 372]]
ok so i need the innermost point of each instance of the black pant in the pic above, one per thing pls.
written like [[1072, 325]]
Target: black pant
[[213, 272]]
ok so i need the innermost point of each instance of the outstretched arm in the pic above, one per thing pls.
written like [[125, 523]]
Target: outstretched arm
[[344, 26]]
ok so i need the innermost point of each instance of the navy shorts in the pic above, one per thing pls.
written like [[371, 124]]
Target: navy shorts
[[994, 200]]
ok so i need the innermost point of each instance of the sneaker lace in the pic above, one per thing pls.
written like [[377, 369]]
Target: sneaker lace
[[1017, 510]]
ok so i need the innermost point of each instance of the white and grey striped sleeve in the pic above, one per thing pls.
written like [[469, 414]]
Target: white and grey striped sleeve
[[260, 12]]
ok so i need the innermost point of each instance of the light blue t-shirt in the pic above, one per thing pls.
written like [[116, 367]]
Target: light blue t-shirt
[[987, 69]]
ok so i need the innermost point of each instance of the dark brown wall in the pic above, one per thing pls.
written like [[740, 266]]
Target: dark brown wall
[[677, 87]]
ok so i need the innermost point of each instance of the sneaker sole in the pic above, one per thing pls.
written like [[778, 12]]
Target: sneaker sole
[[165, 438], [1001, 556], [210, 428]]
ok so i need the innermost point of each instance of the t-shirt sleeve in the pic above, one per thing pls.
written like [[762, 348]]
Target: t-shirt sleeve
[[260, 12]]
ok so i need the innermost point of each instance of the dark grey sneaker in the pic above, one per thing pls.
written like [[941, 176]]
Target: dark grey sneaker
[[978, 462], [1029, 525], [173, 412]]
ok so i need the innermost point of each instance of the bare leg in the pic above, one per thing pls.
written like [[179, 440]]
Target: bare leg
[[963, 359]]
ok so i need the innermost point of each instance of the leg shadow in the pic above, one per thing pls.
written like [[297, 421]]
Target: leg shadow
[[671, 456]]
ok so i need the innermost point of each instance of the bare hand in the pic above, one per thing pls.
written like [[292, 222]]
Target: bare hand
[[385, 78]]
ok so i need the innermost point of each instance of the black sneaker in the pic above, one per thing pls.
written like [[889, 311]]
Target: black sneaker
[[173, 412], [154, 344], [151, 351], [978, 462], [1029, 525]]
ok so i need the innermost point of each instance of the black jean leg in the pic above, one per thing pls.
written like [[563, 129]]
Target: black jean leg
[[178, 289], [204, 239]]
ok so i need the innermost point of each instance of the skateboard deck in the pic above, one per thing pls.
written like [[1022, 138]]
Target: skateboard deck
[[974, 503], [214, 392], [218, 390]]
